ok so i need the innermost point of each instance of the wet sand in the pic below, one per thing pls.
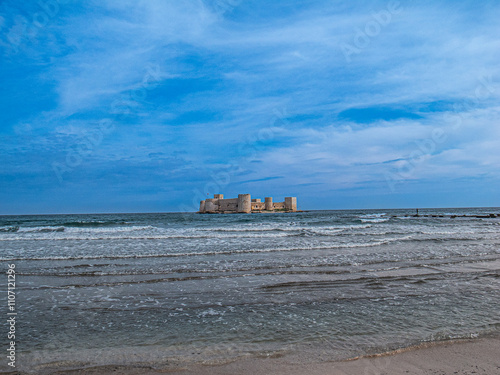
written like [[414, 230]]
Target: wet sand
[[480, 356]]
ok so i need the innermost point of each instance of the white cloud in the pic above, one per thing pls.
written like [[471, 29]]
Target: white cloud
[[255, 66]]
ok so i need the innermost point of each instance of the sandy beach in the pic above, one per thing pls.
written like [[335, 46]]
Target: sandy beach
[[169, 293], [455, 357]]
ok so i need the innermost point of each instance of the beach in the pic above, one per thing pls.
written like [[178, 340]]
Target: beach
[[254, 292], [443, 358]]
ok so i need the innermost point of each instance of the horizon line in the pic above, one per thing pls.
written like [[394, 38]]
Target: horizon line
[[194, 212]]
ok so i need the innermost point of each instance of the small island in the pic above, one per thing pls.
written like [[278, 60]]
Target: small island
[[245, 204]]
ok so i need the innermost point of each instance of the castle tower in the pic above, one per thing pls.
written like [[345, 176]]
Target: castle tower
[[291, 203], [202, 206], [218, 196], [210, 205], [269, 203], [244, 203]]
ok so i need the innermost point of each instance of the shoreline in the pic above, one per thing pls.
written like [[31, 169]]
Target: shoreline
[[461, 356]]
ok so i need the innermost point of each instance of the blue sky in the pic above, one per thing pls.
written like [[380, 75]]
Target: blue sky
[[147, 106]]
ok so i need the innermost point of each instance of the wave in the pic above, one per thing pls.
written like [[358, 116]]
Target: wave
[[41, 229], [285, 229], [439, 240], [304, 233], [155, 233], [375, 220], [158, 234], [133, 228], [74, 224], [94, 223], [144, 237], [369, 280], [9, 229], [374, 215], [89, 270], [212, 253], [23, 231]]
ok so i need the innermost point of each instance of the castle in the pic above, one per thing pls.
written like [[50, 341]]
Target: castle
[[245, 204]]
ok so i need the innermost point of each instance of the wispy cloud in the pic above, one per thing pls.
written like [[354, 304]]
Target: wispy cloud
[[221, 76]]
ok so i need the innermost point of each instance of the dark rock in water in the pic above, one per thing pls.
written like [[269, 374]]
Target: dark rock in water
[[453, 216]]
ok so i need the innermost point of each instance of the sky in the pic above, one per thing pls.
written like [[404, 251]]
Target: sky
[[151, 106]]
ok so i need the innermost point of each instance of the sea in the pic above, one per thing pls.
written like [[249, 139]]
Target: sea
[[168, 290]]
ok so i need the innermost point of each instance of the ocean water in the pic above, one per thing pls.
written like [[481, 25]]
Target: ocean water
[[173, 289]]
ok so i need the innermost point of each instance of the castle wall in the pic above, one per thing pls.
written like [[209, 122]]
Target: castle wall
[[278, 205], [258, 206], [228, 204], [211, 206]]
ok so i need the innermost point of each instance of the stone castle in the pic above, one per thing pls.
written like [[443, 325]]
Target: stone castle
[[245, 204]]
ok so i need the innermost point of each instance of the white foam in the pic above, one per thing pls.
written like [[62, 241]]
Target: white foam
[[375, 220]]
